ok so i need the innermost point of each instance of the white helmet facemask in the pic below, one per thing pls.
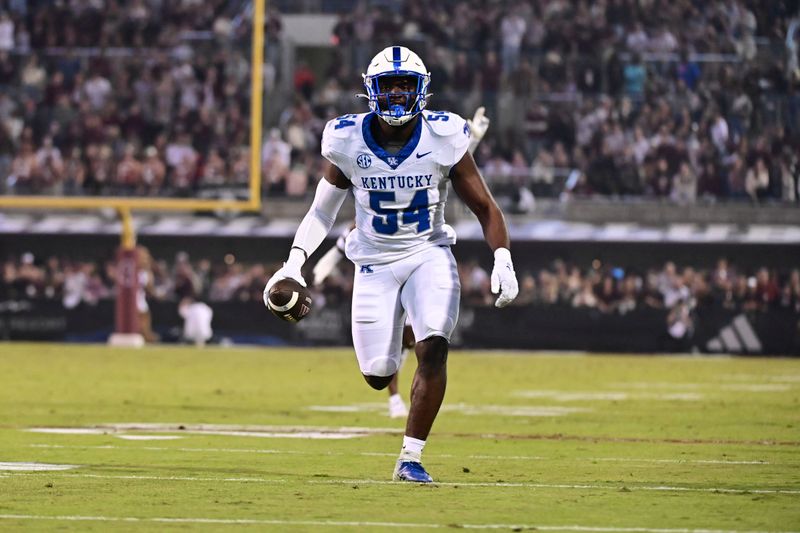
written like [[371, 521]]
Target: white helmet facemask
[[393, 62]]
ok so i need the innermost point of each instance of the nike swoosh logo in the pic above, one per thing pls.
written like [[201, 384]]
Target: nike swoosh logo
[[423, 155]]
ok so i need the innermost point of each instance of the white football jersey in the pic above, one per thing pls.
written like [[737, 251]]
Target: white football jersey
[[399, 198]]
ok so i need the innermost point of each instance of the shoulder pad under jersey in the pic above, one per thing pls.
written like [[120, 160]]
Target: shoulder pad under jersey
[[452, 132], [339, 134], [343, 127], [444, 123]]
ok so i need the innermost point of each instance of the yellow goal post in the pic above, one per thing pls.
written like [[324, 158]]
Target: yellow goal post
[[127, 332], [125, 205]]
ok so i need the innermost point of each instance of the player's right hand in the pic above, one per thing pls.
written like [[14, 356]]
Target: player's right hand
[[289, 270]]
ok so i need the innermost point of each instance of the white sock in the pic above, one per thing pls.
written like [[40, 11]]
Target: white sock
[[396, 399], [412, 449]]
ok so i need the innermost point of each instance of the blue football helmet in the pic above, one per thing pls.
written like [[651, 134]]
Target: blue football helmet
[[396, 61]]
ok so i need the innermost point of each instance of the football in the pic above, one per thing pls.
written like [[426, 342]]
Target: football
[[289, 301]]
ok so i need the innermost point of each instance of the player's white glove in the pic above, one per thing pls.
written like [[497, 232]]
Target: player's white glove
[[477, 128], [291, 269], [504, 280]]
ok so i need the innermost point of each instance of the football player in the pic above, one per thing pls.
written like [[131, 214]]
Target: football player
[[398, 159], [478, 125]]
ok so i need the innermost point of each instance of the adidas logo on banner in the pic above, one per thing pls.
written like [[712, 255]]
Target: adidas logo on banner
[[737, 337]]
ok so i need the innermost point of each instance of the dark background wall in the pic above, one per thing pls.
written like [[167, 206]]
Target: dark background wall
[[527, 254], [530, 327]]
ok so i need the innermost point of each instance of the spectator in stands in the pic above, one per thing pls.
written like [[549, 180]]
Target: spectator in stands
[[635, 74], [548, 288], [790, 294], [737, 183], [586, 296], [128, 174], [680, 327], [527, 290], [636, 40], [197, 317], [756, 181], [275, 161], [98, 90], [24, 171], [628, 294], [720, 132], [710, 184], [688, 71], [790, 182], [552, 51], [153, 171], [6, 32], [607, 294], [475, 283], [512, 31], [684, 185], [767, 290]]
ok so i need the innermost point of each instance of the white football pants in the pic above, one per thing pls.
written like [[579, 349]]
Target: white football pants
[[425, 286]]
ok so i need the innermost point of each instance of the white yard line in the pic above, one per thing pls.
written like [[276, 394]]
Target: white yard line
[[33, 467], [557, 486], [680, 461], [165, 478], [616, 396], [660, 488], [345, 523], [383, 454], [773, 384], [462, 408], [200, 450], [149, 437]]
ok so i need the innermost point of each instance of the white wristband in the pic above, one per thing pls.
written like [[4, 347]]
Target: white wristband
[[502, 255], [296, 258]]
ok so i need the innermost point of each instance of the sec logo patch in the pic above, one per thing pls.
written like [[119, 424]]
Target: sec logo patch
[[364, 161]]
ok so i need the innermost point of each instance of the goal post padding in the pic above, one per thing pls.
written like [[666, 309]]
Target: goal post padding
[[126, 319]]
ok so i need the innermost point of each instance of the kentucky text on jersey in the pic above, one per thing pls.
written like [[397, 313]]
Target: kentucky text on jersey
[[396, 182]]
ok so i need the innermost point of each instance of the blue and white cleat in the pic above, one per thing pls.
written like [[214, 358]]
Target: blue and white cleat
[[411, 471]]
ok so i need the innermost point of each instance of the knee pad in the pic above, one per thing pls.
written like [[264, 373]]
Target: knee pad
[[381, 367]]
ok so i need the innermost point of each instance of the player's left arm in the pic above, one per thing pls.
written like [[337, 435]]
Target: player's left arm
[[471, 188]]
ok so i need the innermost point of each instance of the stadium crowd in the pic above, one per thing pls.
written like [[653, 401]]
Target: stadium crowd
[[604, 287], [678, 99], [126, 98]]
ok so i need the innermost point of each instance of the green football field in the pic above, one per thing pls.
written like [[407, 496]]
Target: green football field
[[97, 439]]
